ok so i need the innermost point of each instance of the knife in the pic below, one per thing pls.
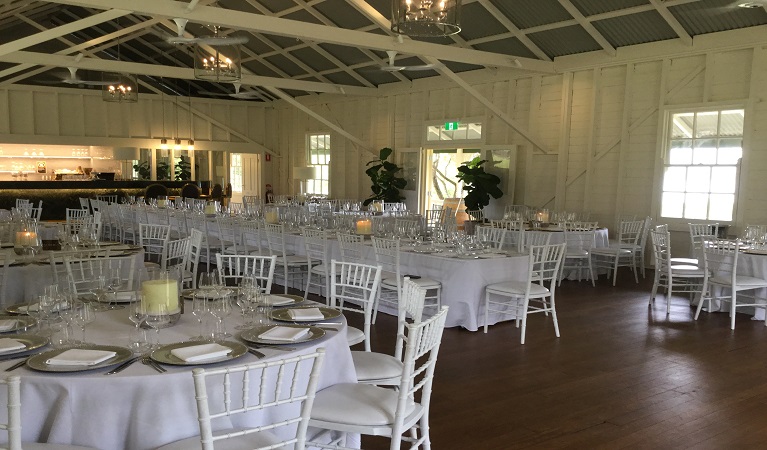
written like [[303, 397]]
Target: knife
[[17, 365], [256, 353], [122, 366]]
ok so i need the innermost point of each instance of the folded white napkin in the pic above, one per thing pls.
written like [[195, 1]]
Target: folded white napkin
[[8, 324], [306, 314], [80, 357], [8, 345], [200, 352], [278, 300], [287, 334]]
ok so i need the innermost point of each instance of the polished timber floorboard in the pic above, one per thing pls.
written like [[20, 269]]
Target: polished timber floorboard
[[622, 375]]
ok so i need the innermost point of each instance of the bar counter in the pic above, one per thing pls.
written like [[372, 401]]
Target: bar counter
[[59, 195]]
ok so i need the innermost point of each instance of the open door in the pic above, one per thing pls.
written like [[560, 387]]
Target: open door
[[251, 174]]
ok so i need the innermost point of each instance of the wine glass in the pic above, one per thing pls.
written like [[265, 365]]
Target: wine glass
[[137, 314], [156, 319], [84, 315], [200, 310], [220, 308]]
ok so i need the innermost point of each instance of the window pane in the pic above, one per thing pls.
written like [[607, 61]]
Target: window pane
[[732, 123], [673, 205], [695, 206], [432, 133], [704, 151], [706, 124], [681, 125], [724, 179], [721, 206], [698, 179], [475, 131], [680, 155], [674, 179], [730, 151]]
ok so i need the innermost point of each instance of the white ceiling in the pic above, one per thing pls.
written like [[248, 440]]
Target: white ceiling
[[310, 46]]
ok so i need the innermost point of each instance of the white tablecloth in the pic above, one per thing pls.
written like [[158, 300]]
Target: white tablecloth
[[138, 408], [26, 282]]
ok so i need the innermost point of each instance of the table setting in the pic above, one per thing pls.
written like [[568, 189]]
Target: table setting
[[96, 372]]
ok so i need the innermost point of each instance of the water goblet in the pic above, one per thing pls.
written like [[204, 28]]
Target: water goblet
[[200, 310], [137, 315], [220, 309], [157, 318], [84, 315]]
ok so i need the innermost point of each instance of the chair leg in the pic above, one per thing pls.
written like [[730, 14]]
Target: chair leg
[[308, 284], [554, 316], [593, 278], [524, 320], [669, 290], [615, 270], [654, 287], [733, 302], [487, 305]]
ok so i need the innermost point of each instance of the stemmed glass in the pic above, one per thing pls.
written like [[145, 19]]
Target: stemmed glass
[[84, 315], [156, 319], [67, 311], [100, 290], [137, 314], [200, 310], [220, 308]]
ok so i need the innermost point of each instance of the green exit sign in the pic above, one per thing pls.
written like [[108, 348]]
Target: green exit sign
[[451, 126]]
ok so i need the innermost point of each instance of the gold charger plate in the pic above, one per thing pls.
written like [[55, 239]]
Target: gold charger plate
[[164, 356], [252, 334], [31, 341], [38, 362], [284, 314]]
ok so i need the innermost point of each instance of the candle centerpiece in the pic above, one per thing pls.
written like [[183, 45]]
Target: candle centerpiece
[[364, 227], [272, 215], [211, 208], [161, 291], [26, 242]]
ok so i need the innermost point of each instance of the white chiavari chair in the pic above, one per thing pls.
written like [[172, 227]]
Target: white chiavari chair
[[317, 259], [720, 265], [382, 369], [495, 237], [577, 253], [380, 411], [673, 277], [620, 253], [233, 268], [175, 254], [293, 266], [351, 247], [353, 288], [153, 238], [532, 295], [289, 384]]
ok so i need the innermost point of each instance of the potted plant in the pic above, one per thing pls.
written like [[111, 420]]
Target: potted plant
[[386, 182], [143, 169], [183, 169], [478, 184]]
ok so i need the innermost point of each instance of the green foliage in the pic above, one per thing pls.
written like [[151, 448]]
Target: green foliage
[[163, 170], [183, 169], [143, 169], [386, 182], [478, 184]]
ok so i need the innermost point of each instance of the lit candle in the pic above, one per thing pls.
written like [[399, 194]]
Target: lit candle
[[26, 238], [364, 226], [159, 292]]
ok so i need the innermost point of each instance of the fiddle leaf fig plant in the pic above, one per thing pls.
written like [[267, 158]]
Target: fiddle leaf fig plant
[[478, 184], [386, 182]]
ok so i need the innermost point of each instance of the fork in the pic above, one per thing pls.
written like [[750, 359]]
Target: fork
[[146, 361]]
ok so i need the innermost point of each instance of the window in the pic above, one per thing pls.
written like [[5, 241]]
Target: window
[[235, 171], [319, 157], [701, 168]]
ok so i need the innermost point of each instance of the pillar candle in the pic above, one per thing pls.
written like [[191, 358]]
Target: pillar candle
[[159, 292]]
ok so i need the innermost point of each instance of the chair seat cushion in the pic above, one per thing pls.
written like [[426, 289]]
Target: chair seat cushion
[[688, 261], [375, 366], [358, 404], [424, 283], [576, 253], [517, 288], [354, 336], [320, 269], [247, 442], [686, 270]]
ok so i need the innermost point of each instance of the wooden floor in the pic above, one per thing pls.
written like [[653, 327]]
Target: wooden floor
[[621, 375]]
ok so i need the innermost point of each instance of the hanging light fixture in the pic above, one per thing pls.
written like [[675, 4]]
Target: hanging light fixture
[[164, 140], [119, 87], [426, 18], [219, 61]]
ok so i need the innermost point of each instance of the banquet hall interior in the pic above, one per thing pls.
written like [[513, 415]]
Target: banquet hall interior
[[596, 134]]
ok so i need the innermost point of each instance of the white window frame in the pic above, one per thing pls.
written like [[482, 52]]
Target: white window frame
[[323, 168], [447, 144], [665, 142], [235, 172]]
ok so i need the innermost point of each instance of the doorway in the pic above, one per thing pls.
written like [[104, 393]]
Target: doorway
[[441, 168]]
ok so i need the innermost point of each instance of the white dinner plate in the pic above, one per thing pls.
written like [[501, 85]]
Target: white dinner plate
[[252, 334], [38, 362], [283, 314], [163, 354]]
